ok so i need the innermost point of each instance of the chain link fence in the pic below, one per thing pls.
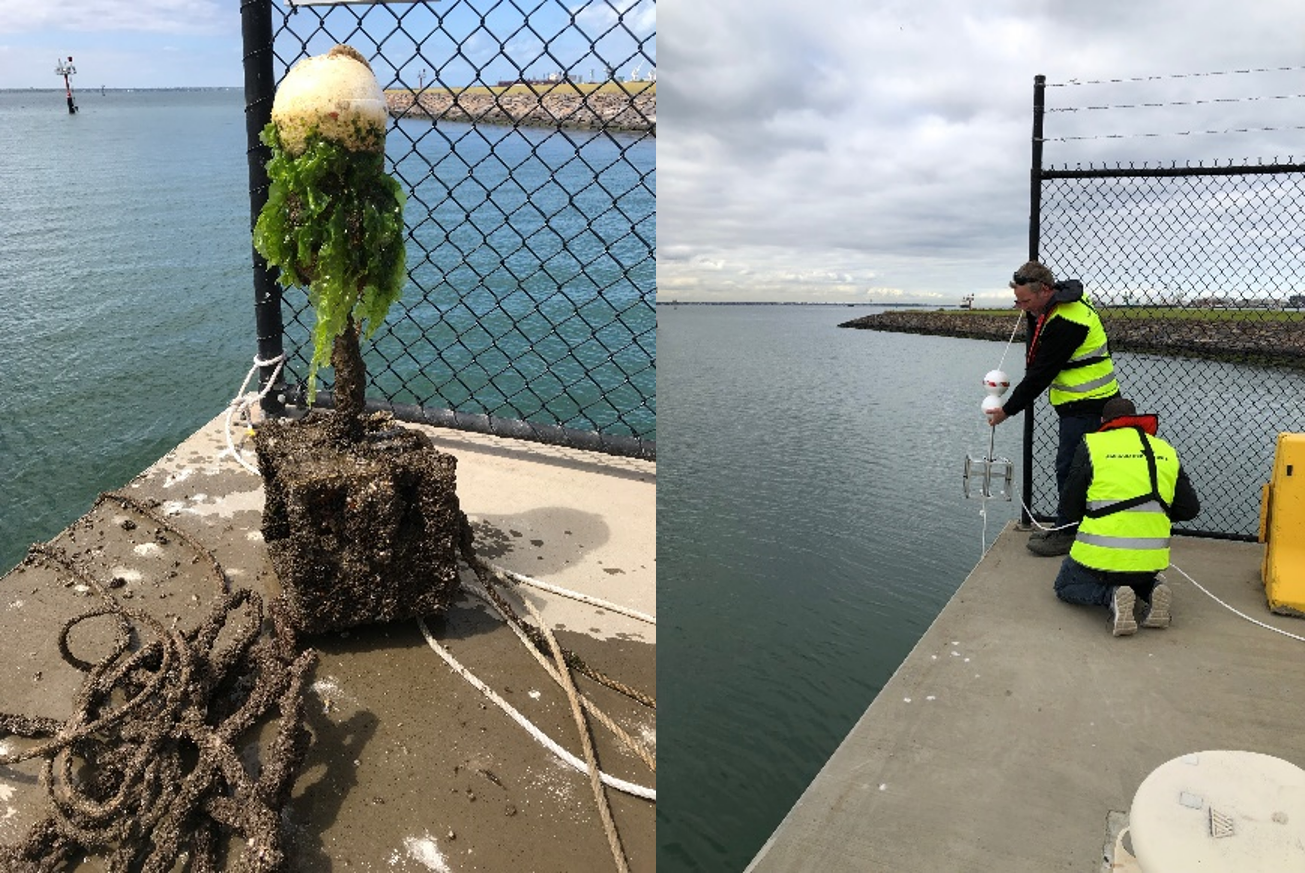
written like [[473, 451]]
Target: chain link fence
[[524, 137], [1198, 273]]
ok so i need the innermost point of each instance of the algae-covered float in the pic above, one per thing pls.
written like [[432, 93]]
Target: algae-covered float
[[361, 518]]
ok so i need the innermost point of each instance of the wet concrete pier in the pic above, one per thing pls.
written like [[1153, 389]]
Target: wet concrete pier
[[411, 767]]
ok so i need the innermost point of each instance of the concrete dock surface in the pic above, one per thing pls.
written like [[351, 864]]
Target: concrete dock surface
[[1015, 734], [411, 767]]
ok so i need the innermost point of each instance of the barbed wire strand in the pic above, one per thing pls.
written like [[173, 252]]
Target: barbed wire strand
[[1231, 130], [1077, 82], [1162, 105]]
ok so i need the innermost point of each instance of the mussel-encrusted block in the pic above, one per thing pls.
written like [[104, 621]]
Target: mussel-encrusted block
[[370, 532]]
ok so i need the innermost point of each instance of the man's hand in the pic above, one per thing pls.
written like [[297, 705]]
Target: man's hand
[[997, 416]]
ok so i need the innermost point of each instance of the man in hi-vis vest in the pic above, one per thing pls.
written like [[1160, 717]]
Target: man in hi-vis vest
[[1069, 358], [1125, 486]]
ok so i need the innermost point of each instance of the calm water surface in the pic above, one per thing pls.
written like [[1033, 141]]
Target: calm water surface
[[811, 524], [128, 316]]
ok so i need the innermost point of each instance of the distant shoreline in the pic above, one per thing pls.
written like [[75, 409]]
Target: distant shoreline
[[561, 107], [1240, 337], [790, 303]]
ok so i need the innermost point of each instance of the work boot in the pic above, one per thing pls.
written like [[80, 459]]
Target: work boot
[[1055, 543], [1157, 612], [1122, 623]]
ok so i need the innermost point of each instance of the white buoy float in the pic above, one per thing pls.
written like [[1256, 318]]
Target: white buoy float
[[996, 382], [987, 470]]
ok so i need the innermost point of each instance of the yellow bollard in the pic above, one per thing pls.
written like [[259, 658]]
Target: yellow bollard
[[1282, 527]]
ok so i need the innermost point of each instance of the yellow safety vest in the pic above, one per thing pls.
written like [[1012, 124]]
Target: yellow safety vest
[[1126, 527], [1090, 372]]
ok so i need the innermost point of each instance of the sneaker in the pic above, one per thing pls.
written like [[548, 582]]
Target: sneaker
[[1055, 543], [1157, 612], [1122, 623]]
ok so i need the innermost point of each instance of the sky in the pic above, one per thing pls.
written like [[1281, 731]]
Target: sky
[[879, 151], [121, 43], [821, 151], [197, 43]]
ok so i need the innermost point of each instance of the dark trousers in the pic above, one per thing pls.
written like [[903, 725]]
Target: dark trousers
[[1072, 430], [1078, 584]]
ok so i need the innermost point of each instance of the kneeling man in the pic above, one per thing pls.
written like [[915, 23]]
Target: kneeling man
[[1125, 486]]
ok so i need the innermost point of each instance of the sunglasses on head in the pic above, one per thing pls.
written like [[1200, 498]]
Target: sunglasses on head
[[1017, 279]]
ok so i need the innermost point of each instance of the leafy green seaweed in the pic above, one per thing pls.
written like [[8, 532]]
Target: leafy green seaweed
[[333, 223]]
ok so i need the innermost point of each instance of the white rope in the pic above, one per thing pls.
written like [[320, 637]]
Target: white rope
[[1234, 610], [538, 735], [586, 740], [1040, 526], [511, 576], [1011, 341], [242, 403], [634, 745]]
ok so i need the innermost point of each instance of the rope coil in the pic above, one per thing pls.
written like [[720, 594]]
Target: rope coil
[[147, 770]]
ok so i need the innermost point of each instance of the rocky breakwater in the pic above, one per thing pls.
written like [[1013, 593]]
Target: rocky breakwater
[[1250, 337], [558, 106]]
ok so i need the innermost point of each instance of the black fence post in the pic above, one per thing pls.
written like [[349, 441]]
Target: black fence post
[[1035, 228], [260, 87]]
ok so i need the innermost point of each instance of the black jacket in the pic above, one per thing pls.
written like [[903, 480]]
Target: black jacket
[[1056, 344]]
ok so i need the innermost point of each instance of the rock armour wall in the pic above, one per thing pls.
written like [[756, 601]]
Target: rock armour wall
[[1270, 340], [559, 107]]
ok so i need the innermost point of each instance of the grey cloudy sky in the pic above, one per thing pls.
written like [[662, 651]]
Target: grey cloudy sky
[[859, 150]]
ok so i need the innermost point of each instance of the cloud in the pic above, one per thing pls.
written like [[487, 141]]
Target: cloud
[[890, 142], [145, 16]]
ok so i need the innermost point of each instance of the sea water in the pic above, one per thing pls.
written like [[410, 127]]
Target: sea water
[[127, 316], [811, 524]]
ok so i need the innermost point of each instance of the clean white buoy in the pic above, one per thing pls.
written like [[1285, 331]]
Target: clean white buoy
[[996, 382]]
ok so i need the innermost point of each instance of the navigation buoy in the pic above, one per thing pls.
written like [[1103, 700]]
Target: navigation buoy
[[66, 70]]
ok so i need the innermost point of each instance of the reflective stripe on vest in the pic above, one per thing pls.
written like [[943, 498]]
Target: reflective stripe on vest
[[1153, 506], [1135, 539], [1090, 373]]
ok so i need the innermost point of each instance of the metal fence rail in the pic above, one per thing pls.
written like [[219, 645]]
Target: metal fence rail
[[524, 136], [1218, 245]]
